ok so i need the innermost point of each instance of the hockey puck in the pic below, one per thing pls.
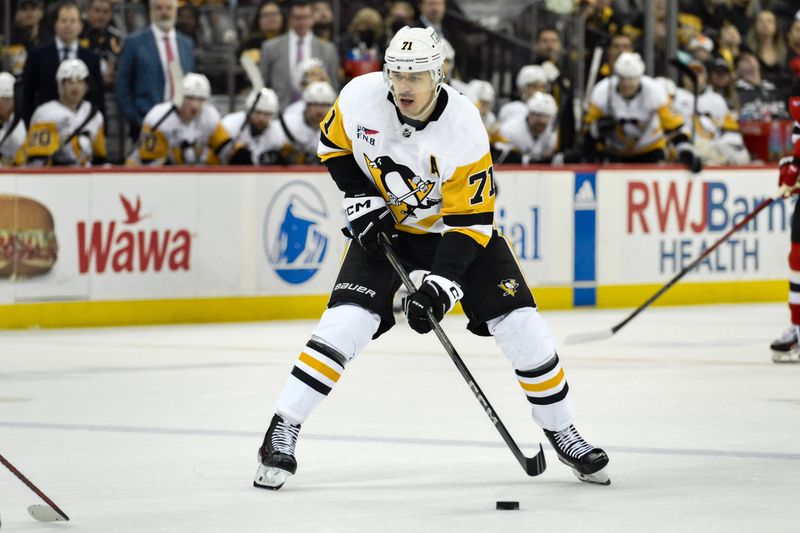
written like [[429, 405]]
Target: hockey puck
[[508, 506]]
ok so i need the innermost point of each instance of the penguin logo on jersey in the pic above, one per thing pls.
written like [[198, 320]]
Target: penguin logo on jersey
[[509, 287], [405, 191]]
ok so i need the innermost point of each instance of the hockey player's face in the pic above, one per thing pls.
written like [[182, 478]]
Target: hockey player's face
[[628, 87], [73, 92], [413, 91], [190, 108], [259, 121], [6, 107], [315, 113], [538, 123]]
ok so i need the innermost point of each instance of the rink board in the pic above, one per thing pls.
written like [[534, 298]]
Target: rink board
[[183, 245]]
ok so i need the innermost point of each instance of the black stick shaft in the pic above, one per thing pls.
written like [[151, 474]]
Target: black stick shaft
[[33, 487]]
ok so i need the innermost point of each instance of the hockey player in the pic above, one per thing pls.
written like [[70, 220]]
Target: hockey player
[[300, 121], [12, 128], [787, 347], [532, 138], [68, 131], [187, 134], [629, 119], [482, 94], [263, 138], [530, 79], [412, 159]]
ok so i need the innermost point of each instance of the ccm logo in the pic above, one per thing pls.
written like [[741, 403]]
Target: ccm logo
[[354, 287], [353, 209]]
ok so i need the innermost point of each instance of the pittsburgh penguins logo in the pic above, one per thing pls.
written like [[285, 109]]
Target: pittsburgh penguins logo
[[509, 287], [405, 191]]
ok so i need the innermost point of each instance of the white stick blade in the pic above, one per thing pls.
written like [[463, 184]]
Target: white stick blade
[[578, 338], [45, 513]]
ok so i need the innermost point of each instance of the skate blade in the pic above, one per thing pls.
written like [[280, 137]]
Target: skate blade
[[792, 356], [600, 477], [270, 478]]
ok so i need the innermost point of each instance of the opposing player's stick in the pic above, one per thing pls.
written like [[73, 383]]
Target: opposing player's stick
[[533, 466], [42, 513], [606, 333]]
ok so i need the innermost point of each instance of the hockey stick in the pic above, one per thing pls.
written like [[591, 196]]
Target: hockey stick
[[92, 112], [533, 466], [42, 513], [605, 334]]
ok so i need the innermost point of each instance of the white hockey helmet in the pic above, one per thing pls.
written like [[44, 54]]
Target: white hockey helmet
[[531, 74], [267, 101], [415, 50], [319, 92], [72, 69], [482, 91], [542, 104], [196, 86], [448, 50], [668, 85], [629, 65], [7, 85], [304, 68]]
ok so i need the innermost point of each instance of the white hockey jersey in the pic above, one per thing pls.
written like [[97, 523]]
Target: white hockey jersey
[[512, 109], [303, 138], [12, 142], [53, 123], [435, 179], [166, 139], [642, 121], [266, 148], [516, 134]]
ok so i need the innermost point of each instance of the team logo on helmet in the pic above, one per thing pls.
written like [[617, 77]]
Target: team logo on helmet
[[509, 287], [405, 191]]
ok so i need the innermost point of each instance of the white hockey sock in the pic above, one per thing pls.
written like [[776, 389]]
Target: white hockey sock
[[525, 339], [342, 332]]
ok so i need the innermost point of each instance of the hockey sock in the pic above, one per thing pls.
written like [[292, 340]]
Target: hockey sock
[[794, 283]]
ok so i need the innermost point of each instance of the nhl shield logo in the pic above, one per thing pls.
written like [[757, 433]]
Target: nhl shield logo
[[509, 287]]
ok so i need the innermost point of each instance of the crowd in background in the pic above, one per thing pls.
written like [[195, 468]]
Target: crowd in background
[[147, 75]]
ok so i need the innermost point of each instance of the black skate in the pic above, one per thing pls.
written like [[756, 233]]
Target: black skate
[[786, 349], [276, 455], [587, 463]]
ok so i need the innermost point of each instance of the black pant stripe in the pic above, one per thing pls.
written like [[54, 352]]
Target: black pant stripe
[[547, 400], [794, 287], [312, 382], [327, 351], [541, 371]]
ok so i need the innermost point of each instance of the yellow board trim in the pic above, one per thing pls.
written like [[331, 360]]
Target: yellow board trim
[[320, 367], [694, 293], [545, 385]]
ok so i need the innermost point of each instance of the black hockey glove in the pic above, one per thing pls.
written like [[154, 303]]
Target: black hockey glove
[[605, 126], [690, 159], [436, 293], [369, 216]]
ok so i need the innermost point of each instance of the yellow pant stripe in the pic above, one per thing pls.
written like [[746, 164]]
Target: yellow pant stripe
[[545, 385], [320, 367]]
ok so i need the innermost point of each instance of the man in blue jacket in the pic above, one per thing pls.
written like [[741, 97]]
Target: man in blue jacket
[[147, 58]]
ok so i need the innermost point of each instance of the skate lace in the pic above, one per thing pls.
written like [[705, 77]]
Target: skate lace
[[284, 438], [571, 443]]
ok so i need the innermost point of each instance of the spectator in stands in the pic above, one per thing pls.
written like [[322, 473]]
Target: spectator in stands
[[720, 78], [765, 40], [398, 15], [730, 42], [432, 13], [187, 22], [362, 46], [148, 59], [268, 23], [701, 48], [529, 138], [39, 76], [758, 98], [548, 47], [309, 71], [300, 122], [619, 43], [25, 35], [103, 39], [187, 134], [711, 13], [793, 47], [12, 129], [741, 14], [323, 20], [280, 57], [67, 131], [530, 79], [262, 137]]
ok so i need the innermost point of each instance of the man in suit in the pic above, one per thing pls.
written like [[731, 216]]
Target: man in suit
[[282, 56], [148, 57], [39, 75], [432, 14]]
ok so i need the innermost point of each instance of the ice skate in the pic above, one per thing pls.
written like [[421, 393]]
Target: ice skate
[[786, 349], [587, 463], [276, 455]]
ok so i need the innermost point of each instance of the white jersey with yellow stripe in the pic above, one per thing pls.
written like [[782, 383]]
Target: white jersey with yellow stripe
[[171, 140], [303, 137], [12, 142], [262, 146], [516, 133], [51, 126], [642, 120], [435, 179]]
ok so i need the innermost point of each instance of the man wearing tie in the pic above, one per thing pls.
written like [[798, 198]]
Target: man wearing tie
[[282, 56], [39, 75], [148, 59]]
